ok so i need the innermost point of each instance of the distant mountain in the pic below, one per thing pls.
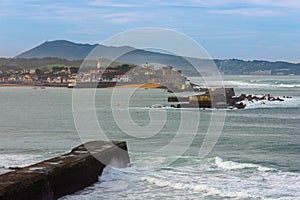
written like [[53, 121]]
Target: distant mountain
[[68, 50], [59, 49], [72, 51]]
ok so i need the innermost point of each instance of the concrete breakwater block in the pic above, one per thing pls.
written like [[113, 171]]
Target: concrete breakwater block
[[66, 174]]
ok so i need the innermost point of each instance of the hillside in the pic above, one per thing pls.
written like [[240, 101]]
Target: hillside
[[32, 63], [68, 52]]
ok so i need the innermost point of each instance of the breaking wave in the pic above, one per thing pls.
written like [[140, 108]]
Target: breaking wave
[[231, 165], [262, 84], [208, 178], [288, 102], [206, 190]]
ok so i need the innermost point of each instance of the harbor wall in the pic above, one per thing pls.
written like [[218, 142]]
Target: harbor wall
[[63, 175]]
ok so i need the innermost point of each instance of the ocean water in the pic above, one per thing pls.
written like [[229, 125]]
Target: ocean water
[[256, 155]]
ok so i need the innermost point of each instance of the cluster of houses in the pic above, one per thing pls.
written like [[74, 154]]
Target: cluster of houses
[[37, 76], [142, 73], [105, 75], [23, 76], [164, 75]]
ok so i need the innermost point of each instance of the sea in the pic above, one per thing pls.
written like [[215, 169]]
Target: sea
[[251, 153]]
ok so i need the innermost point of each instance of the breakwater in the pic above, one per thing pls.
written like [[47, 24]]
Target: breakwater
[[63, 175], [221, 98]]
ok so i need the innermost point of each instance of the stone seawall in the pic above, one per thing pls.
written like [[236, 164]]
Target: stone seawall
[[65, 174]]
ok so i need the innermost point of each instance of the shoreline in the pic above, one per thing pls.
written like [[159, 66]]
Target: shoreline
[[141, 85], [14, 85], [31, 85], [95, 85], [146, 85]]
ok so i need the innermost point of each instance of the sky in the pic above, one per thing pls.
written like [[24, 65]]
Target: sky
[[242, 29]]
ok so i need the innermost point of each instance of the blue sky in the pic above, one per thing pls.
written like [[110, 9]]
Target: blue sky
[[244, 29]]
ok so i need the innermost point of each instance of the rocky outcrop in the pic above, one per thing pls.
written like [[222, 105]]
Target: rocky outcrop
[[220, 98]]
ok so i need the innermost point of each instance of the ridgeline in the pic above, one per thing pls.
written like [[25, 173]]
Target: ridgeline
[[61, 52]]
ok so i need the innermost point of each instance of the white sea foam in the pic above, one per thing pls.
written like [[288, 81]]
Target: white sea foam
[[206, 190], [111, 173], [192, 180], [288, 102], [230, 165], [15, 160], [254, 84], [20, 160]]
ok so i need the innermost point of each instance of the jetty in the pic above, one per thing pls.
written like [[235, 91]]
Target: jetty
[[63, 175], [220, 98]]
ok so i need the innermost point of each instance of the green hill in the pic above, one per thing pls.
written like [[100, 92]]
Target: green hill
[[69, 53]]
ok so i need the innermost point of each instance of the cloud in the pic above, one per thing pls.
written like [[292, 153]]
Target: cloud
[[275, 3], [108, 3], [246, 12], [58, 11], [260, 8], [78, 11], [67, 12], [233, 3], [121, 18], [194, 3]]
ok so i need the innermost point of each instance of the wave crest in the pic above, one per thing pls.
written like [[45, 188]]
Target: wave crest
[[231, 165], [208, 191]]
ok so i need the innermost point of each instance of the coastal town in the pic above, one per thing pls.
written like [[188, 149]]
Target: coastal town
[[104, 75], [55, 75]]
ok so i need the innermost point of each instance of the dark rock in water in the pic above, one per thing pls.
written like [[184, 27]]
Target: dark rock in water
[[66, 174], [240, 106], [279, 99], [252, 98], [255, 98], [262, 98]]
